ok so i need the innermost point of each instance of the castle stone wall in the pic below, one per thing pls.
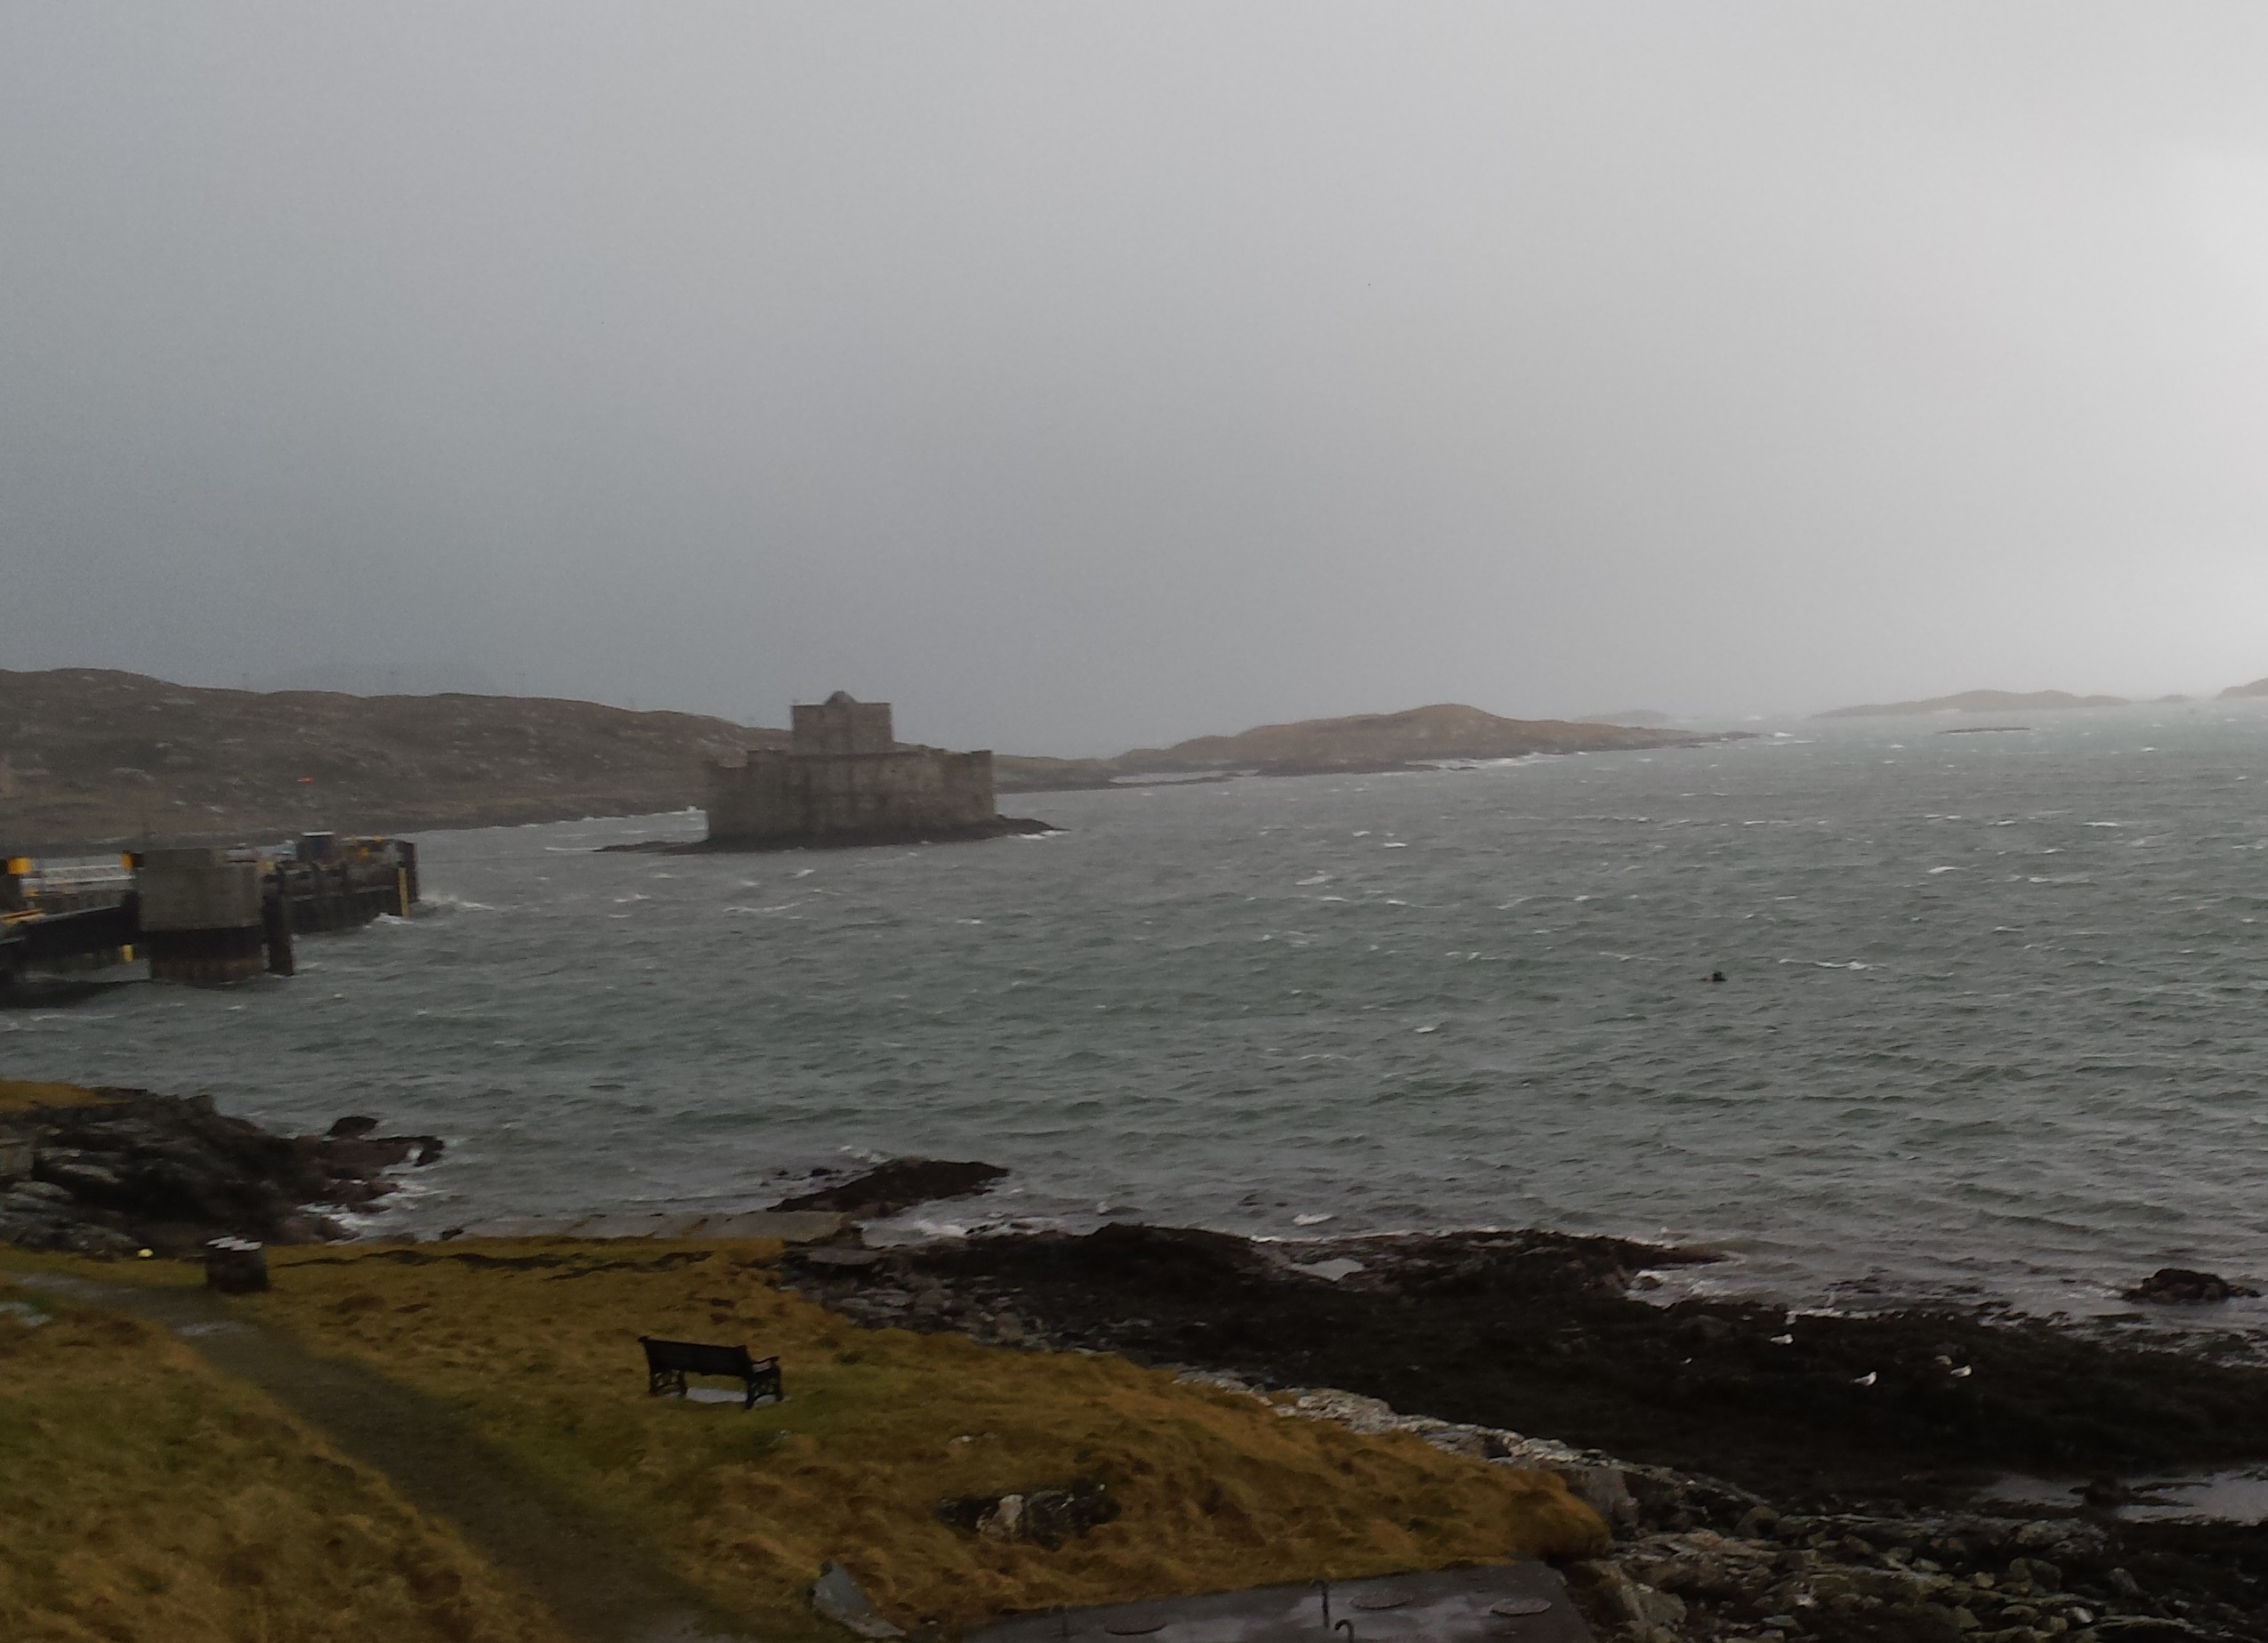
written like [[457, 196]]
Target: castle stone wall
[[818, 792]]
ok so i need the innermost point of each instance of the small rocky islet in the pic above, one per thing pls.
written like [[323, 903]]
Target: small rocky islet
[[1765, 1476]]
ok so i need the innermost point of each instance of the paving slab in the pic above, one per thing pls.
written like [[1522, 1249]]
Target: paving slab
[[1501, 1603], [786, 1225]]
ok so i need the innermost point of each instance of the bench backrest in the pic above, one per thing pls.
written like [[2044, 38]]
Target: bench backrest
[[694, 1358]]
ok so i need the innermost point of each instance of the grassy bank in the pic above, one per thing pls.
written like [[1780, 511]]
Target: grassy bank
[[536, 1342], [143, 1497], [17, 1095]]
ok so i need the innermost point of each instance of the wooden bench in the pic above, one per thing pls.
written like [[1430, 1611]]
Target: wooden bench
[[669, 1362]]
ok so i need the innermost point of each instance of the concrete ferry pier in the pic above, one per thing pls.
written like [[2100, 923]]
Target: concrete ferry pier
[[204, 915]]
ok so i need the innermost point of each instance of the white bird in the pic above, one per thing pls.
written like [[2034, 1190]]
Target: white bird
[[1783, 1340], [1962, 1374], [1867, 1379]]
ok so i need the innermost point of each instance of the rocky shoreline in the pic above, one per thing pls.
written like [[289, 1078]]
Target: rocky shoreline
[[128, 1171], [1766, 1475], [1803, 1478]]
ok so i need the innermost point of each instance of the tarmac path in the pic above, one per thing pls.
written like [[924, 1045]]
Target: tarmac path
[[599, 1586]]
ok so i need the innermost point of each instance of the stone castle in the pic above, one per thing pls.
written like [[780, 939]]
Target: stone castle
[[844, 779]]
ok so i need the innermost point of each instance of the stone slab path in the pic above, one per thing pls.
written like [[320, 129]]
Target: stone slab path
[[1506, 1603], [598, 1585]]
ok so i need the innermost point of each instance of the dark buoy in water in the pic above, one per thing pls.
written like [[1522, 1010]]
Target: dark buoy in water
[[1717, 978]]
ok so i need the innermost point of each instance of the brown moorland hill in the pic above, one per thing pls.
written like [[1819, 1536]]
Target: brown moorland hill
[[1388, 741], [94, 759]]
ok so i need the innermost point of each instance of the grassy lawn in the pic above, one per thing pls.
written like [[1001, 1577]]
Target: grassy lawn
[[143, 1497]]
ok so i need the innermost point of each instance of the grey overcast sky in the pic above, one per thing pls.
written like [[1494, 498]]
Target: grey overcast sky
[[1085, 375]]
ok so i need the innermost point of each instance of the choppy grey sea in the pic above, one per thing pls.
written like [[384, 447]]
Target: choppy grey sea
[[1996, 1021]]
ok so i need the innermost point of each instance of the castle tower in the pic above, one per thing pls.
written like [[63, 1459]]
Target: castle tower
[[842, 724]]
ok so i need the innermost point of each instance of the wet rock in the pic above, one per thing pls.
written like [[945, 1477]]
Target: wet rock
[[79, 1174], [899, 1184], [1703, 1564], [1604, 1489], [1635, 1610], [156, 1172], [2183, 1287], [360, 1159]]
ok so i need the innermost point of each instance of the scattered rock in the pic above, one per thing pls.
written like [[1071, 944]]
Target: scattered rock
[[1046, 1517], [1634, 1609], [2182, 1287], [836, 1596]]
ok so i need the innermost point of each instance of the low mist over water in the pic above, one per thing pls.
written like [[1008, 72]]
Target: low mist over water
[[1992, 1021]]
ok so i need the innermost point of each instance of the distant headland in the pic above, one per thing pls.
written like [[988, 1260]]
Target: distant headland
[[1978, 702], [1417, 738]]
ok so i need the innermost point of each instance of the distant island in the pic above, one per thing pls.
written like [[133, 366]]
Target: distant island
[[1388, 741], [1979, 701], [96, 760], [1413, 739], [2258, 687]]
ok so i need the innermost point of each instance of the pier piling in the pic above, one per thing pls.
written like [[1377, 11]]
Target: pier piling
[[201, 917]]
